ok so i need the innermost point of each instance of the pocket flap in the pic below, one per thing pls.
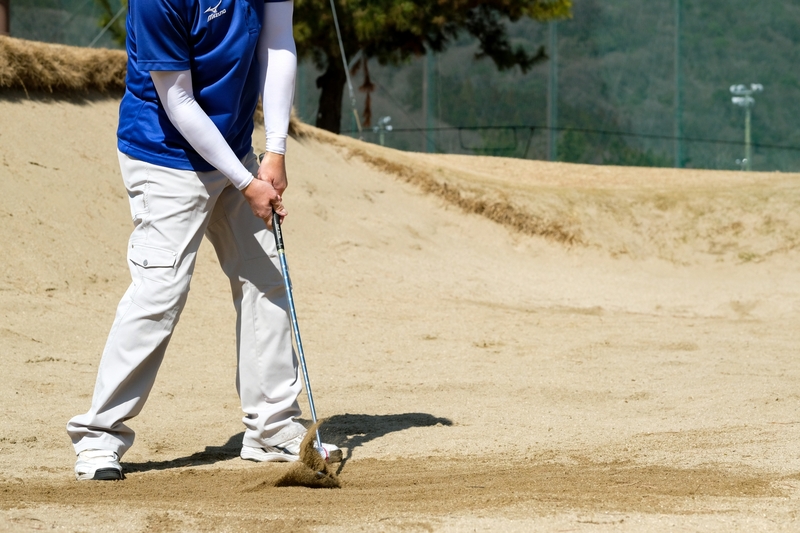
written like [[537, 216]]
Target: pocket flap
[[151, 257]]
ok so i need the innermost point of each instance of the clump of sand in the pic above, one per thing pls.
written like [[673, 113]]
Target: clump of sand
[[312, 470]]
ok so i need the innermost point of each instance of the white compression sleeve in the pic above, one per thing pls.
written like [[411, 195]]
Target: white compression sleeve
[[277, 56], [175, 91]]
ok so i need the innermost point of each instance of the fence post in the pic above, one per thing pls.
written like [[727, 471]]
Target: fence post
[[552, 93], [678, 118], [429, 90]]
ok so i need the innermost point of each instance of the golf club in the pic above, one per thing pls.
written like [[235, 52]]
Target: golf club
[[276, 231]]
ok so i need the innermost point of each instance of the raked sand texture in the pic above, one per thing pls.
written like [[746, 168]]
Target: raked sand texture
[[496, 344]]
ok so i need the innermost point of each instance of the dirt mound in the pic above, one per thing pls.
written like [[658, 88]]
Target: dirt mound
[[54, 68], [682, 216]]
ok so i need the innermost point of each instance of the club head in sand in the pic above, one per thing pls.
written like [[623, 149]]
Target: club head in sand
[[311, 470]]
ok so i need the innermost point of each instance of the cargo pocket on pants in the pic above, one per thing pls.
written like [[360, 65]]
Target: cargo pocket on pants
[[156, 290]]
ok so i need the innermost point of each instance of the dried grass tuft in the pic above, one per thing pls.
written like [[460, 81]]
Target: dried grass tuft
[[496, 209], [53, 68]]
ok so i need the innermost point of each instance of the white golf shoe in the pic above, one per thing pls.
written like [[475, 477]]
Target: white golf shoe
[[288, 451], [99, 465]]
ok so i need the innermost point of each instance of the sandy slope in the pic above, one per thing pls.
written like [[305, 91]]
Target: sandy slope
[[481, 370]]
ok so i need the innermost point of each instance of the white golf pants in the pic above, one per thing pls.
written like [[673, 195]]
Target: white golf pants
[[172, 210]]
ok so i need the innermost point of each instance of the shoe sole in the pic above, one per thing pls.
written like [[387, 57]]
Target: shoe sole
[[102, 474]]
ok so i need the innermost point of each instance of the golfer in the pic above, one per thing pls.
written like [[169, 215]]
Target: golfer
[[195, 71]]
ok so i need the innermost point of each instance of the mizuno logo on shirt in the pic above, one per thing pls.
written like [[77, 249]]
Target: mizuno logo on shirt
[[214, 13]]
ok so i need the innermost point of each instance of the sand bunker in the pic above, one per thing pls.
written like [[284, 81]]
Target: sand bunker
[[640, 375]]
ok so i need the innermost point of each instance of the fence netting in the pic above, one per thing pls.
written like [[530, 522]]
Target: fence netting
[[618, 89]]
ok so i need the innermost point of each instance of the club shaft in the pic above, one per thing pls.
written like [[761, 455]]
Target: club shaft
[[276, 228]]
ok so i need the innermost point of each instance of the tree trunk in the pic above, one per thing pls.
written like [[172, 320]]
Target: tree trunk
[[329, 115], [5, 17]]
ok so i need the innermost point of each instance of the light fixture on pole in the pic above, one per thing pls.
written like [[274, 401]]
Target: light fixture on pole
[[382, 126], [743, 97]]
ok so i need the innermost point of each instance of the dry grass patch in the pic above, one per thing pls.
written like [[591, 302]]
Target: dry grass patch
[[681, 216], [470, 199], [41, 67]]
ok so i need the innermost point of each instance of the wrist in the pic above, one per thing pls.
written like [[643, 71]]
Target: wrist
[[245, 183], [272, 162], [269, 154]]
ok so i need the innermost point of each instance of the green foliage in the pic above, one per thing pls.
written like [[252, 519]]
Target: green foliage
[[394, 30], [616, 73], [573, 147], [620, 153], [117, 29], [582, 147]]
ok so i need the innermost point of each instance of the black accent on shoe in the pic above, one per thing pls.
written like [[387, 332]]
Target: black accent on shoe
[[107, 474]]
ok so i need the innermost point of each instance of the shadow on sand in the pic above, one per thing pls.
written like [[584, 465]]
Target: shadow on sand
[[348, 431], [351, 431]]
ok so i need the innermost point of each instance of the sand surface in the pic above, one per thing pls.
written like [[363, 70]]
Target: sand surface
[[498, 345]]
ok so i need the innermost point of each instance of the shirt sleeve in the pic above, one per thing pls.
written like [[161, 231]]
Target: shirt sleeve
[[277, 55], [161, 29]]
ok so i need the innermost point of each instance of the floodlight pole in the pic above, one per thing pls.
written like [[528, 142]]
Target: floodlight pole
[[678, 119], [748, 152], [346, 67]]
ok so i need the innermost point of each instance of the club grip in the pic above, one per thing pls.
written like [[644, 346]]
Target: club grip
[[276, 230]]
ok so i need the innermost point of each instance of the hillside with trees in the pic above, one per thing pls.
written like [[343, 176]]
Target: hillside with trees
[[616, 74]]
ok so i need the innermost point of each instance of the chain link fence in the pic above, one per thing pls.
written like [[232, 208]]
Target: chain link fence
[[617, 85], [578, 145], [72, 22]]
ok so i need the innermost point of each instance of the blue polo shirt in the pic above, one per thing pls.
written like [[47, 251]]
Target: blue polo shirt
[[216, 40]]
